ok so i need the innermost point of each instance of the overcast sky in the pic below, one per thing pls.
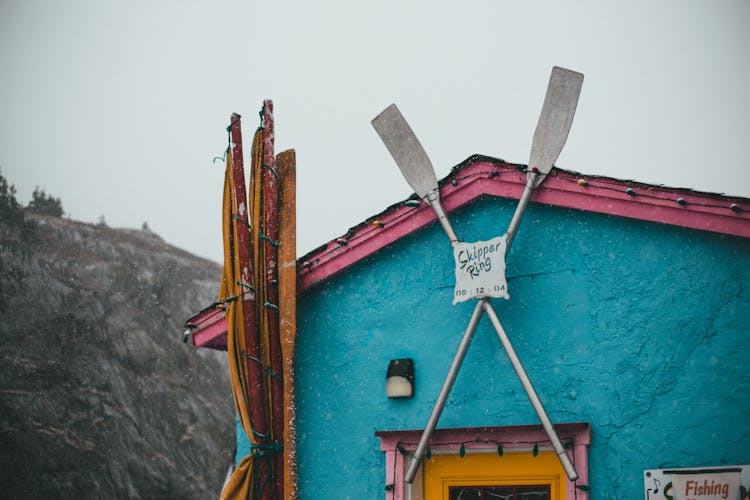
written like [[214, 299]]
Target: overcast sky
[[118, 108]]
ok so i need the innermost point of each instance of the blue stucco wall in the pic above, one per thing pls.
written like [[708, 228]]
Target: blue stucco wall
[[638, 328]]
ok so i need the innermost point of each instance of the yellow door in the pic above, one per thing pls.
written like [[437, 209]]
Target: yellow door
[[515, 475]]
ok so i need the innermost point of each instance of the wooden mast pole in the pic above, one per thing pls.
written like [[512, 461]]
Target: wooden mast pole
[[255, 389], [287, 168], [271, 238]]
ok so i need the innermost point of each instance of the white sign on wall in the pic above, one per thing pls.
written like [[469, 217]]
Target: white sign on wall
[[701, 483], [480, 269]]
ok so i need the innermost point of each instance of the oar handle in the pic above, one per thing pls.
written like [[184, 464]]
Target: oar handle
[[528, 387], [445, 391], [433, 198], [523, 202]]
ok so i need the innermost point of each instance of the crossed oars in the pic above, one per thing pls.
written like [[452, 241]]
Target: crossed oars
[[551, 132]]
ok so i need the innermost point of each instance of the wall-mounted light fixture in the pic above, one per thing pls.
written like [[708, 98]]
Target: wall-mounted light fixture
[[399, 381]]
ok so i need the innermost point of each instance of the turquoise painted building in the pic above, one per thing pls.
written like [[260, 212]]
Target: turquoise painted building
[[629, 308]]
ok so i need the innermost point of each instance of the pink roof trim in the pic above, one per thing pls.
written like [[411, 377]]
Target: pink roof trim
[[485, 176], [479, 176], [209, 327]]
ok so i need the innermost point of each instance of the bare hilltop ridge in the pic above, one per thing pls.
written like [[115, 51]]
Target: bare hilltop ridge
[[99, 396]]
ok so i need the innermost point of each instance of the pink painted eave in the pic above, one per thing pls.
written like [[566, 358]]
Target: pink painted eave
[[484, 176], [209, 327], [481, 176]]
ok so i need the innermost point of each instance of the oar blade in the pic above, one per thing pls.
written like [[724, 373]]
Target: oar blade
[[555, 119], [406, 150]]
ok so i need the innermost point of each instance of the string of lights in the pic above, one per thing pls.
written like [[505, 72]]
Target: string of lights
[[499, 446], [412, 202], [503, 169], [583, 182]]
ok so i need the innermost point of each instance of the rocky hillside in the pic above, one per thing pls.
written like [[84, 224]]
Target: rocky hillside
[[99, 396]]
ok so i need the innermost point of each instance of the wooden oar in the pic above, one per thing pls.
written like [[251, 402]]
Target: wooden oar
[[270, 247], [552, 131], [412, 160]]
